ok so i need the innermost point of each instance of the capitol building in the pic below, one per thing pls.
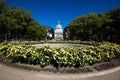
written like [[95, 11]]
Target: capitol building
[[58, 34]]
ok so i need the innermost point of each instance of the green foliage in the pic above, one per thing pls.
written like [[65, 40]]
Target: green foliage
[[16, 23], [101, 27], [73, 56]]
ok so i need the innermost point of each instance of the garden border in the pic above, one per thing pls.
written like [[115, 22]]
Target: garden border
[[50, 75]]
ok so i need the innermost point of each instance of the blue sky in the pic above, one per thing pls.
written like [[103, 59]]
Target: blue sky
[[48, 12]]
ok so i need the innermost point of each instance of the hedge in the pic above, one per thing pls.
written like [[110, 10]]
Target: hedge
[[73, 56]]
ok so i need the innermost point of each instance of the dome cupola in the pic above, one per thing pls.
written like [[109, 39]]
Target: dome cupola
[[58, 26], [58, 32]]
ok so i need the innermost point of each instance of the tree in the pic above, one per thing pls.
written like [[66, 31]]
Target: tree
[[2, 9], [16, 23], [101, 27], [114, 14], [2, 6]]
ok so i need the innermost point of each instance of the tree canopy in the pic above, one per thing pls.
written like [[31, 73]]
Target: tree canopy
[[16, 23], [101, 27]]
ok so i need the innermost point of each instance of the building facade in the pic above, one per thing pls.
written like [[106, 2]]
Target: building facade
[[58, 32]]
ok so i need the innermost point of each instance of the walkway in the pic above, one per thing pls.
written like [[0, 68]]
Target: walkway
[[10, 73]]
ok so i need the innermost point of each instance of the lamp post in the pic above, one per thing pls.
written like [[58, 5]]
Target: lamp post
[[59, 64]]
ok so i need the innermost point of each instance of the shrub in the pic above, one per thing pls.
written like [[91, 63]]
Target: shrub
[[72, 57]]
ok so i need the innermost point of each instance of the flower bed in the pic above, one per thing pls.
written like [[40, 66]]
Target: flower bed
[[72, 57], [106, 65]]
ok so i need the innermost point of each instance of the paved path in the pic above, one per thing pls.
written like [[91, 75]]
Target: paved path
[[57, 45], [10, 73]]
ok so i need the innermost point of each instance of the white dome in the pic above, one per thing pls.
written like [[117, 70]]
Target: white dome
[[58, 26], [58, 31]]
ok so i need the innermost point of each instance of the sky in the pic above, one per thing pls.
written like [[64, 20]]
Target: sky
[[49, 12]]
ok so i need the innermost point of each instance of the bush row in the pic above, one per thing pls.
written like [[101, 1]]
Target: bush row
[[47, 55]]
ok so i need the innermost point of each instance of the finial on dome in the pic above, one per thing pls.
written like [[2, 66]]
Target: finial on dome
[[58, 22]]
